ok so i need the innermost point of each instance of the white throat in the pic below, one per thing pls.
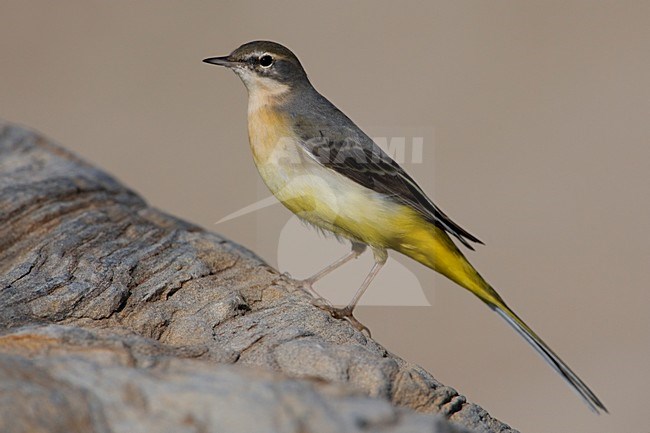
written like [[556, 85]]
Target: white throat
[[261, 90]]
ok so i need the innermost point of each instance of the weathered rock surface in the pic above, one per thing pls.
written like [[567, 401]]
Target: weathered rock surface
[[118, 317]]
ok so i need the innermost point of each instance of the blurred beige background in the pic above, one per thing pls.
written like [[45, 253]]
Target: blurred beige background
[[541, 147]]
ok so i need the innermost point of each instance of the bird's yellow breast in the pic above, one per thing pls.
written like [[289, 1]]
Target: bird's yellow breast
[[268, 129]]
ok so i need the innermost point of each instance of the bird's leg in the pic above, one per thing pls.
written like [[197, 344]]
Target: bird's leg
[[308, 283], [346, 312]]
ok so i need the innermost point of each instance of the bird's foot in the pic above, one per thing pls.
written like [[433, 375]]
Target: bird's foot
[[344, 313], [338, 313]]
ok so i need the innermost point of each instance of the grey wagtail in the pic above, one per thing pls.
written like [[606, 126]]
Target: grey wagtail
[[322, 167]]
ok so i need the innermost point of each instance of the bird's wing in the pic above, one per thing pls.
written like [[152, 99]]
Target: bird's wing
[[351, 153]]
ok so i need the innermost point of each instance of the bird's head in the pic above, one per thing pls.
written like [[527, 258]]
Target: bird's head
[[264, 66]]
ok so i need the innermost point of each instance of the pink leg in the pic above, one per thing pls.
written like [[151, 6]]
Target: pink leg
[[346, 312], [307, 283]]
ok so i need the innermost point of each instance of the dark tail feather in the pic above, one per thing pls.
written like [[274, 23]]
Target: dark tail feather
[[549, 356]]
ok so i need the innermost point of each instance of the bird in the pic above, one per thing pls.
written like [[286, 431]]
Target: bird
[[328, 172]]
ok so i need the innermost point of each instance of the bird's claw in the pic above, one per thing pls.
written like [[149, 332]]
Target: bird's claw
[[343, 313], [338, 313]]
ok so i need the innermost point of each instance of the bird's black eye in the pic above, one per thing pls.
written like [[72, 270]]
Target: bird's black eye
[[266, 60]]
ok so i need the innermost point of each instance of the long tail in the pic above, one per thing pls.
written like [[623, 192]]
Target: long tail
[[550, 357], [432, 247]]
